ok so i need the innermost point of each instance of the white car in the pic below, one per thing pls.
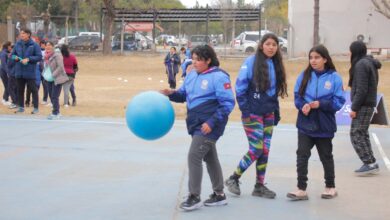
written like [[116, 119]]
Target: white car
[[283, 43], [62, 41], [247, 41]]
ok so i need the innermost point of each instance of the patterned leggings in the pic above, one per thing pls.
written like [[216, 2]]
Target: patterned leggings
[[259, 134]]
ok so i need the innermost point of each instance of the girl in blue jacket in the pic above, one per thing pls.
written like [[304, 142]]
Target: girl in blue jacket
[[210, 99], [261, 80], [318, 95]]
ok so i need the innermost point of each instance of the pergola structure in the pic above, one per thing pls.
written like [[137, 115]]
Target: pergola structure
[[186, 15]]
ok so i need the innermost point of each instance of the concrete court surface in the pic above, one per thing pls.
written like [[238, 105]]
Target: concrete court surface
[[92, 169]]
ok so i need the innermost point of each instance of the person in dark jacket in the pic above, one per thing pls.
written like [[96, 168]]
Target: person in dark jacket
[[363, 80], [210, 100], [262, 79], [12, 84], [172, 62], [318, 95], [4, 71], [26, 54]]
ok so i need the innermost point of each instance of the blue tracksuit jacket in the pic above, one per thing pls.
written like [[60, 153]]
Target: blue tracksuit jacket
[[249, 99], [30, 50], [327, 88], [209, 99]]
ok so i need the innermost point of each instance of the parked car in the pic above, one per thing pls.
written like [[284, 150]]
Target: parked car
[[90, 34], [168, 39], [196, 40], [283, 44], [247, 41], [85, 43], [129, 42], [142, 42], [62, 41], [149, 42]]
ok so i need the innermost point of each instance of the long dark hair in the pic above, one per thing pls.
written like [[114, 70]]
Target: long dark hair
[[260, 68], [324, 53], [358, 51], [65, 50], [205, 52]]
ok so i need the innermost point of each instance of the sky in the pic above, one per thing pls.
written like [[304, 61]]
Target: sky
[[191, 3]]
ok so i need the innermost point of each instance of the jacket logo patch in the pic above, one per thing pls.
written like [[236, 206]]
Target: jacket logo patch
[[328, 85], [204, 84], [227, 86]]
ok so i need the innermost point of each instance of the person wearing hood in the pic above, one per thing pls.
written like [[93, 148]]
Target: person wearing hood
[[26, 54], [363, 80]]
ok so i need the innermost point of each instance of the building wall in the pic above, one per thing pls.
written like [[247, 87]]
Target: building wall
[[340, 23]]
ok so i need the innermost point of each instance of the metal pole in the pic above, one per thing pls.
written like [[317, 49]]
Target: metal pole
[[66, 29], [154, 30], [10, 30], [260, 7], [122, 34], [180, 38], [207, 24], [101, 22]]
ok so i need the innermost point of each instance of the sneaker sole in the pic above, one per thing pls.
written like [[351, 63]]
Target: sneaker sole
[[263, 196], [327, 196], [232, 191], [194, 207], [367, 173], [294, 197], [220, 203]]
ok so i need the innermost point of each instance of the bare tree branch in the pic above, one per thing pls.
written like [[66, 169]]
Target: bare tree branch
[[382, 7]]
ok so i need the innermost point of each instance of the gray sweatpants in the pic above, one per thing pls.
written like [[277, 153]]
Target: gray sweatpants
[[203, 148]]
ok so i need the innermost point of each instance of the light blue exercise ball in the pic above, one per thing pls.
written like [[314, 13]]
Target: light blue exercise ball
[[150, 115]]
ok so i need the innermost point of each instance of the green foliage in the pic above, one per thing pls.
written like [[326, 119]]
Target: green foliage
[[276, 14]]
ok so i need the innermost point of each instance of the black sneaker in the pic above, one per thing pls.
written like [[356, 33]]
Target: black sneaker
[[216, 200], [233, 186], [262, 191], [367, 169], [74, 103], [193, 202]]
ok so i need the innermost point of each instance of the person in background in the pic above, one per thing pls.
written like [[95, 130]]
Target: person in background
[[27, 55], [71, 67], [187, 61], [55, 62], [12, 84], [363, 80], [45, 97], [172, 62], [4, 72]]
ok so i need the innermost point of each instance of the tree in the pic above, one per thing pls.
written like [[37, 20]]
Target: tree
[[275, 15], [108, 23], [316, 36], [21, 12], [382, 6]]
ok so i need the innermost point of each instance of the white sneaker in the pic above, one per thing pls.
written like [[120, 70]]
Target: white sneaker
[[43, 103], [48, 104], [7, 103], [66, 106]]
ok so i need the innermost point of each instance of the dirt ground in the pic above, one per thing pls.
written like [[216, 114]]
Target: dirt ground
[[104, 85]]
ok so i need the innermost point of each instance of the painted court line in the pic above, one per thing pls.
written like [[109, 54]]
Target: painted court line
[[381, 151], [234, 125]]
